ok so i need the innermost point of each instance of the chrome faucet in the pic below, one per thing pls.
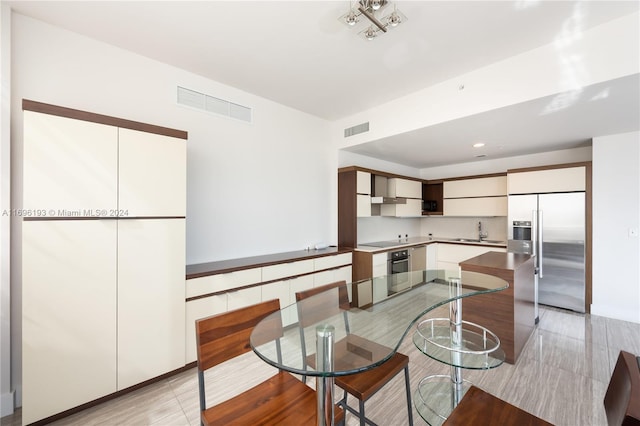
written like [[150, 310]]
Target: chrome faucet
[[481, 234]]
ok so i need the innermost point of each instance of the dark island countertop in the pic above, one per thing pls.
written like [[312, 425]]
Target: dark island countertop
[[224, 266], [493, 260]]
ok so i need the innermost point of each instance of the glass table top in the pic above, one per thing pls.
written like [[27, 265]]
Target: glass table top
[[373, 333]]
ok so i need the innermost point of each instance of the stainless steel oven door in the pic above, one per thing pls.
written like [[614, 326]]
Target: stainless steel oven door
[[398, 272]]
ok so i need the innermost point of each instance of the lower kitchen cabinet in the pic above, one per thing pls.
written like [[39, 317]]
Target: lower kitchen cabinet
[[450, 255], [151, 309], [69, 314], [237, 299], [196, 309]]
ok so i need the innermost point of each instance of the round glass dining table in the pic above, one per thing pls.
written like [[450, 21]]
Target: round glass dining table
[[389, 308]]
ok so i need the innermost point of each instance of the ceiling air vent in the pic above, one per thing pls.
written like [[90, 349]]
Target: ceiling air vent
[[198, 100], [356, 130]]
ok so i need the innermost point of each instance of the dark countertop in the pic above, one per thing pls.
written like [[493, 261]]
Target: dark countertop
[[223, 266], [414, 241], [497, 260]]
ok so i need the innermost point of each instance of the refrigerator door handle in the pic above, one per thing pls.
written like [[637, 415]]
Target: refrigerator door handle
[[534, 234], [541, 242]]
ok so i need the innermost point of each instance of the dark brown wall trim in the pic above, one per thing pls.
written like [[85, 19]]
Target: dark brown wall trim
[[101, 119], [41, 218], [551, 167], [470, 177]]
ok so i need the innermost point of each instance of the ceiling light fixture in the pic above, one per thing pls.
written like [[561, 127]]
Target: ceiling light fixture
[[478, 145], [368, 9]]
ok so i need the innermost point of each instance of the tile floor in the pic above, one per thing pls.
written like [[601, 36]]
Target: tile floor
[[561, 376]]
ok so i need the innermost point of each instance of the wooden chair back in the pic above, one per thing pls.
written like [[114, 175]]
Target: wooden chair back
[[329, 301], [622, 399], [222, 337]]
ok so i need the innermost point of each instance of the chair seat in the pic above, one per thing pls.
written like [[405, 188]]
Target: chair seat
[[280, 400], [479, 407], [349, 353]]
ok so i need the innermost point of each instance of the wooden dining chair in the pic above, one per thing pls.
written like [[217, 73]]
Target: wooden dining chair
[[362, 385], [622, 398], [280, 400]]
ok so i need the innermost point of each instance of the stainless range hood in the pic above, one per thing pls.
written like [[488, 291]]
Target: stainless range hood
[[388, 200]]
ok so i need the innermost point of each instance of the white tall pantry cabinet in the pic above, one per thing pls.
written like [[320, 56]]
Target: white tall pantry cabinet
[[103, 256]]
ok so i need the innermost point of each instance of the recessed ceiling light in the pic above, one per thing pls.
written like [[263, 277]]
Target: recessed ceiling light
[[478, 145]]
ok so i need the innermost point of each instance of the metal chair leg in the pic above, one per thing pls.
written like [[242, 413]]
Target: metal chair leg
[[408, 386]]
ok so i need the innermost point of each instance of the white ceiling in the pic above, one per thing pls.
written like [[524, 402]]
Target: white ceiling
[[297, 53]]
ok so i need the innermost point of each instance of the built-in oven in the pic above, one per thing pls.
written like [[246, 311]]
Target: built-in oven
[[520, 237], [398, 271]]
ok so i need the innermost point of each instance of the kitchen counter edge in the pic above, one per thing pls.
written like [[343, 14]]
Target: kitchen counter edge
[[427, 241], [199, 270]]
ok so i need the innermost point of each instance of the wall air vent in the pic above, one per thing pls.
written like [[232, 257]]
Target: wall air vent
[[198, 100], [356, 130]]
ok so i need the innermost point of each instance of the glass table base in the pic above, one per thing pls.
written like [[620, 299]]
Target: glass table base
[[435, 398]]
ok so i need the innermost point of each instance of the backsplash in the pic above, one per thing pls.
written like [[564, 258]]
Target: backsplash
[[378, 228], [464, 227]]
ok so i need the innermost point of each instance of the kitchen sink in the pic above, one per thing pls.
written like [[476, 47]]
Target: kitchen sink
[[471, 240]]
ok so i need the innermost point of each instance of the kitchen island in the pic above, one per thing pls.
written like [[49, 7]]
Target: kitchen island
[[509, 313]]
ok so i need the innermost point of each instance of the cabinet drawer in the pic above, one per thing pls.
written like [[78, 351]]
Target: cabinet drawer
[[221, 282], [327, 262], [290, 269], [478, 187], [240, 298]]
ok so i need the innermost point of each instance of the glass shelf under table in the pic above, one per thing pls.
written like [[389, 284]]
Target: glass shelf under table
[[435, 398], [479, 348]]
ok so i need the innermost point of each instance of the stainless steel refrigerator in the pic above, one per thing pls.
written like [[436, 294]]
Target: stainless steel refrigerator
[[552, 227]]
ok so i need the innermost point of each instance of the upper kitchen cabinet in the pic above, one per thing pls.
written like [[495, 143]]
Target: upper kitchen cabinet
[[153, 177], [477, 187], [363, 194], [404, 188], [69, 165], [410, 191], [478, 196], [560, 178]]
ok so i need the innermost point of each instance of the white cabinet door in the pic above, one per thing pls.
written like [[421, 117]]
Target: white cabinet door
[[70, 166], [196, 309], [397, 187], [363, 182], [543, 181], [284, 270], [363, 205], [482, 206], [152, 174], [221, 282], [68, 314], [478, 187], [432, 261], [151, 307], [412, 208]]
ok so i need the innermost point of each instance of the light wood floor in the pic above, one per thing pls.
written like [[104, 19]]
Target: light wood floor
[[561, 376]]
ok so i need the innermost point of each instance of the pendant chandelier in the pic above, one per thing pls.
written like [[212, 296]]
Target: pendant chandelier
[[371, 9]]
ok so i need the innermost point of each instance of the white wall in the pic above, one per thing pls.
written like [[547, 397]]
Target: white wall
[[574, 60], [616, 211], [6, 393], [252, 189]]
